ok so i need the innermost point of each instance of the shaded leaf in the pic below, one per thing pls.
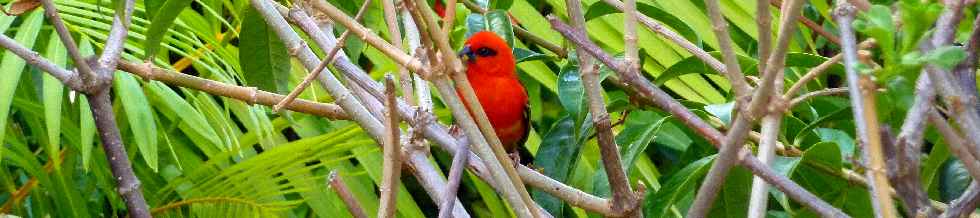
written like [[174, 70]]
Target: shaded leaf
[[163, 19], [264, 58], [52, 95], [678, 185], [557, 156], [139, 115]]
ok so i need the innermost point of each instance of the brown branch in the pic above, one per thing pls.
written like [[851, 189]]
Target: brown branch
[[404, 77], [337, 184], [392, 153], [323, 64], [69, 78], [865, 114], [813, 94], [249, 95], [651, 95], [811, 24], [51, 12], [127, 184]]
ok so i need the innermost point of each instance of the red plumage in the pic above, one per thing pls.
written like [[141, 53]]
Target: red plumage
[[490, 68]]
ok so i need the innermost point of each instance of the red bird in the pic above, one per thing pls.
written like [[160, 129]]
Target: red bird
[[490, 68]]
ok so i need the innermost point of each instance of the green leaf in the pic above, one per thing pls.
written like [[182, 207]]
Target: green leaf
[[499, 23], [86, 120], [11, 66], [571, 92], [722, 111], [641, 128], [264, 58], [557, 155], [192, 122], [475, 23], [842, 139], [953, 180], [601, 8], [678, 185], [140, 116], [945, 57], [163, 19], [522, 55], [695, 65], [733, 198], [52, 94]]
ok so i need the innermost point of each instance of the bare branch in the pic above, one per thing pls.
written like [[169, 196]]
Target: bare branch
[[249, 95], [59, 26], [404, 77], [106, 63], [338, 186], [732, 70], [623, 198], [392, 165], [69, 78], [127, 184], [810, 95], [460, 157], [862, 97]]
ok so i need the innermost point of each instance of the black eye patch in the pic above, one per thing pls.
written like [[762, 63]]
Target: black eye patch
[[485, 52]]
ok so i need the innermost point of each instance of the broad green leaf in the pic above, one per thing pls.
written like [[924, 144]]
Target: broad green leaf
[[818, 173], [139, 116], [52, 94], [557, 155], [163, 19], [842, 139], [11, 66], [953, 180], [475, 23], [501, 4], [678, 185], [522, 55], [641, 128], [264, 58], [840, 114], [695, 65], [571, 92], [733, 198], [932, 165], [722, 111], [499, 23], [945, 57]]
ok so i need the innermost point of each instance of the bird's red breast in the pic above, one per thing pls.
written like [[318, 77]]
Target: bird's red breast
[[490, 68]]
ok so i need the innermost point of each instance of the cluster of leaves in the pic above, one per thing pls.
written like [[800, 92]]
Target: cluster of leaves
[[198, 154]]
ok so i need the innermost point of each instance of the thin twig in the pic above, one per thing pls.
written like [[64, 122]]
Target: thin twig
[[69, 78], [59, 26], [814, 72], [732, 70], [651, 95], [460, 157], [966, 203], [338, 186], [759, 197], [812, 25], [392, 165], [329, 59], [862, 97], [813, 94], [404, 77], [250, 95], [910, 140]]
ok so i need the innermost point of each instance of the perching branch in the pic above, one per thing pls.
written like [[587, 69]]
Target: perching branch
[[759, 197], [651, 95], [865, 115], [69, 78], [338, 186]]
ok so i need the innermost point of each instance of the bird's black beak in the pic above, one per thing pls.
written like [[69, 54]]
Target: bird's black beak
[[466, 55]]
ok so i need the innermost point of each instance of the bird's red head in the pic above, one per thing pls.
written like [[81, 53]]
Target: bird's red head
[[487, 54]]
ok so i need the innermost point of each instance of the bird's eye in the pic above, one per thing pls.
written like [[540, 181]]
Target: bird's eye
[[485, 52]]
